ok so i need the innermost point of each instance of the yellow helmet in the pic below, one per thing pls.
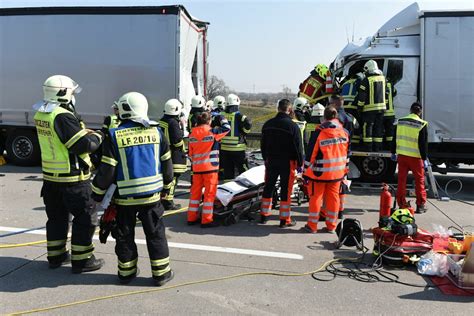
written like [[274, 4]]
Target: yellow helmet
[[321, 70], [402, 216]]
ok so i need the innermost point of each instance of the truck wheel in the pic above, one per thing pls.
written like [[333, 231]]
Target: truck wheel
[[23, 148], [375, 169]]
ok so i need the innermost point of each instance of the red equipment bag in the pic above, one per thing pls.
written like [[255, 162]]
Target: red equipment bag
[[397, 249]]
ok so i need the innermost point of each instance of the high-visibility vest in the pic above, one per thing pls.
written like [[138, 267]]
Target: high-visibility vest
[[114, 122], [312, 89], [310, 129], [389, 111], [55, 157], [301, 126], [139, 162], [233, 141], [408, 131], [204, 149], [375, 100], [329, 157], [349, 92]]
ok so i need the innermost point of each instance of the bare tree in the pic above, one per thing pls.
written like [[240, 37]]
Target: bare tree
[[215, 87], [287, 92]]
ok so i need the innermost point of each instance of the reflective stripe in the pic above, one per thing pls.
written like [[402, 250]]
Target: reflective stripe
[[402, 122], [129, 264], [110, 161], [179, 144], [284, 206], [207, 211], [81, 248], [208, 204], [54, 243], [205, 161], [97, 190], [165, 156], [331, 220], [339, 159], [161, 272], [404, 148], [139, 181], [193, 209], [307, 163], [70, 179], [313, 220], [407, 138], [266, 203], [335, 168], [58, 252], [284, 214], [125, 273], [212, 152], [331, 213], [194, 201], [140, 201], [75, 138], [123, 160], [160, 262], [142, 188]]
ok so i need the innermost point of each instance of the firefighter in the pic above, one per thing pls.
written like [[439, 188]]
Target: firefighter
[[409, 148], [170, 126], [234, 143], [111, 121], [316, 119], [318, 86], [349, 92], [209, 106], [197, 107], [136, 157], [204, 154], [65, 148], [389, 116], [325, 168], [219, 103], [299, 117], [371, 102], [282, 151]]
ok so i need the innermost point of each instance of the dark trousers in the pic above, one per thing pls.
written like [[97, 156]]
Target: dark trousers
[[388, 130], [231, 160], [151, 216], [61, 200], [372, 130], [285, 169]]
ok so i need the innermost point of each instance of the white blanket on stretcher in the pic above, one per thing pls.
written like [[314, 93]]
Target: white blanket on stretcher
[[250, 178]]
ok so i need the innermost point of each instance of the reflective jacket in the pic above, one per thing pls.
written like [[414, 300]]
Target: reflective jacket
[[391, 93], [302, 127], [313, 88], [349, 90], [170, 127], [371, 94], [408, 136], [329, 148], [111, 121], [138, 160], [65, 146], [204, 147], [240, 126], [311, 127]]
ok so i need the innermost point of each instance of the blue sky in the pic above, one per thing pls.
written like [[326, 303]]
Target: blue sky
[[264, 45]]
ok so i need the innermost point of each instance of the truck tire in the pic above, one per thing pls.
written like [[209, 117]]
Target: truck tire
[[375, 169], [23, 148]]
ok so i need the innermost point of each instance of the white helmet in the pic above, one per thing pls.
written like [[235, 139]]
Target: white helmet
[[371, 66], [173, 107], [300, 103], [219, 102], [209, 105], [132, 106], [59, 89], [233, 99], [197, 101], [318, 110]]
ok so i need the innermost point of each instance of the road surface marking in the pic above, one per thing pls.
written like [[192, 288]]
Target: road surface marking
[[239, 251]]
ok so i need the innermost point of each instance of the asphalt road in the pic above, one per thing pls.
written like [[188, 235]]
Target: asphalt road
[[26, 282]]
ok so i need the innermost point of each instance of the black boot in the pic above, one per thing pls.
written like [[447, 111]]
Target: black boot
[[420, 209], [66, 258], [128, 278], [169, 205], [88, 265], [284, 223], [162, 280], [340, 215], [210, 225], [264, 219]]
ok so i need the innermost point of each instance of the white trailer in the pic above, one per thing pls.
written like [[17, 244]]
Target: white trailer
[[160, 51], [428, 57]]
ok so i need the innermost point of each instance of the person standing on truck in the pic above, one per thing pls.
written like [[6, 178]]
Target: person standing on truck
[[349, 92], [389, 116], [318, 86], [136, 157], [282, 151], [170, 126], [197, 107], [325, 168], [371, 100], [204, 154], [234, 144], [65, 148], [409, 148]]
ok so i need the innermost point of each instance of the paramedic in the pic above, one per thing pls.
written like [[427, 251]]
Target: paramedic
[[282, 151]]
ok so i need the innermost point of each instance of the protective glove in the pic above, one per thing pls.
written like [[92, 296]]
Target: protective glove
[[426, 163], [394, 157]]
